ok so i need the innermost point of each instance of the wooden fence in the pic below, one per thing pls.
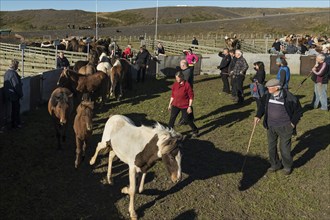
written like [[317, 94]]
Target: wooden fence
[[36, 59], [175, 48]]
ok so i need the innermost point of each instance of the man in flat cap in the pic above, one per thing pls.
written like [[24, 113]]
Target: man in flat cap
[[282, 111]]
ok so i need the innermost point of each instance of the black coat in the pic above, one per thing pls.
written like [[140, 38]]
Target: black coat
[[260, 76], [142, 58], [291, 104], [225, 62], [62, 62]]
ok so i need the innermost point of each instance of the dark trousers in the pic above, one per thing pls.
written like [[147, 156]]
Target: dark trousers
[[225, 82], [284, 133], [187, 118], [15, 113], [141, 71], [238, 87], [258, 101]]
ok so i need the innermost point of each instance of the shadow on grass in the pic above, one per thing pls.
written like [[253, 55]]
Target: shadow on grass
[[202, 160], [207, 79], [313, 141], [227, 120], [150, 89], [189, 214]]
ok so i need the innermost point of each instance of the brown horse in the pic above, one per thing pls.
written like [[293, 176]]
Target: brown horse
[[95, 84], [120, 76], [60, 107], [83, 128], [90, 67]]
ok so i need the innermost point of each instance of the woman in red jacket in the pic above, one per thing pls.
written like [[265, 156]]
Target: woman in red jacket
[[181, 100]]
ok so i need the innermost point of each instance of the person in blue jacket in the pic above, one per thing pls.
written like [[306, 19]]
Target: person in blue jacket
[[283, 74]]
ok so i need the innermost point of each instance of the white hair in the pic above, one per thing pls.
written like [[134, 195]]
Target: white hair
[[321, 57], [239, 51]]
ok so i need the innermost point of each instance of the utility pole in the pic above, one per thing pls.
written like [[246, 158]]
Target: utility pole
[[96, 24]]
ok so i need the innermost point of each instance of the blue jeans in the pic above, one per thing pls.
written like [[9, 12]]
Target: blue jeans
[[321, 96]]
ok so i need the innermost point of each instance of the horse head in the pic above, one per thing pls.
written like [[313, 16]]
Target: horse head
[[85, 110], [60, 104], [169, 144]]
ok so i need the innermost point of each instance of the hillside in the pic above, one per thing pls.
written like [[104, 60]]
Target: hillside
[[49, 19]]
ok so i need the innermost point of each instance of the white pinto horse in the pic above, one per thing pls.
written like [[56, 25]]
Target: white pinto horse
[[140, 148]]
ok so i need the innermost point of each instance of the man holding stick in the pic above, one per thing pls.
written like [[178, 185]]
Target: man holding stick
[[282, 112]]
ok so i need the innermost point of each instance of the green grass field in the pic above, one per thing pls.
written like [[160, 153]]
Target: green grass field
[[40, 182]]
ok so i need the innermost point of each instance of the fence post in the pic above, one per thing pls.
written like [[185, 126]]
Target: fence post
[[22, 47]]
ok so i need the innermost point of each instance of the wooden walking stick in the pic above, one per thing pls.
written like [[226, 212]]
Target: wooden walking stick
[[248, 148], [302, 82]]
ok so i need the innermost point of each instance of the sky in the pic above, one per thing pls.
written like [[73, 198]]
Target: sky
[[118, 5]]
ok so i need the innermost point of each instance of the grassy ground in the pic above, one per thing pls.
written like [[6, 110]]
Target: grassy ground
[[40, 182]]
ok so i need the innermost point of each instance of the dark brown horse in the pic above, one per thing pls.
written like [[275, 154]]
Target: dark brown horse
[[120, 76], [83, 128], [90, 67], [60, 107], [95, 84]]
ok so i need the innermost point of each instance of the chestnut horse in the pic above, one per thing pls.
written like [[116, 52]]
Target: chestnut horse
[[60, 106], [95, 84], [83, 128], [140, 148]]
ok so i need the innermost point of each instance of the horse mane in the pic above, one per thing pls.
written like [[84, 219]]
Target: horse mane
[[167, 138], [75, 73], [83, 105], [117, 63], [87, 104], [60, 95]]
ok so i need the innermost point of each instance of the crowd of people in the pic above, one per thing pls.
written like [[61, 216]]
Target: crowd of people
[[307, 45]]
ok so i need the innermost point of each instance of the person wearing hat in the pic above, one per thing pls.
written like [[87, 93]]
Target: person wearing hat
[[13, 92], [283, 74], [282, 111]]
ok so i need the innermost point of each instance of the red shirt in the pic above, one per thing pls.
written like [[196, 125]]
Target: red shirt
[[127, 52], [181, 94]]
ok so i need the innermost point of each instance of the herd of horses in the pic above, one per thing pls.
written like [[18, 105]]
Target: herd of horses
[[78, 91]]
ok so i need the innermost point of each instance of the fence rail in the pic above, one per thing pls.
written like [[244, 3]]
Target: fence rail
[[174, 48], [36, 59]]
